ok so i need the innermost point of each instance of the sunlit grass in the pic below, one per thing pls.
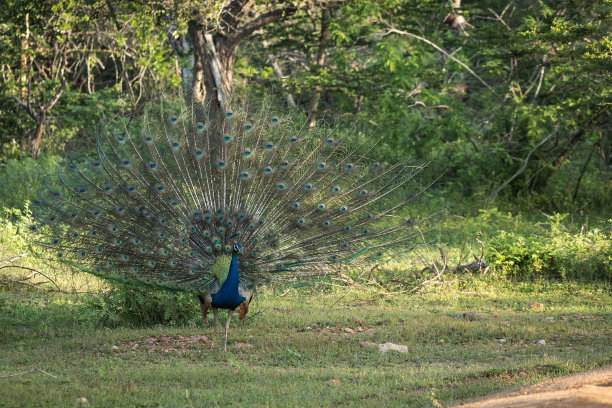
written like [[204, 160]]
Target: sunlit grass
[[300, 353]]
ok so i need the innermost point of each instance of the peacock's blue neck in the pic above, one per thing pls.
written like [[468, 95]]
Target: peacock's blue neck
[[228, 297]]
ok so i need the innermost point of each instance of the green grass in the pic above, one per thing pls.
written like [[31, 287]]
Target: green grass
[[454, 353]]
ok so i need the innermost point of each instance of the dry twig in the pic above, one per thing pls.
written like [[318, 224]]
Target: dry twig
[[27, 372]]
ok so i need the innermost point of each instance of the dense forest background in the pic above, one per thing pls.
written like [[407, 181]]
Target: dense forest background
[[510, 100]]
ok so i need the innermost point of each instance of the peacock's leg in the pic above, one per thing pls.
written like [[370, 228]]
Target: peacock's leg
[[230, 312], [204, 306], [216, 313]]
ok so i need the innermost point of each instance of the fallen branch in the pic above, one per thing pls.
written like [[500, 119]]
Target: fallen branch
[[30, 276], [11, 260], [29, 371]]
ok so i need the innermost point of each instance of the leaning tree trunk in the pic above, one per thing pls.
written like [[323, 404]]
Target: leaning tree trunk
[[213, 70], [212, 47]]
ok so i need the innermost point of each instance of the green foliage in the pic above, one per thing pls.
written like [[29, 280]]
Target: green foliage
[[23, 177], [113, 58], [122, 306], [558, 254]]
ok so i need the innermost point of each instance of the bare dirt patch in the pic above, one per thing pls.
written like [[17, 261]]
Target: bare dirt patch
[[589, 389], [167, 344]]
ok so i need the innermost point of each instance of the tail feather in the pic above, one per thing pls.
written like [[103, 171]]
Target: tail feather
[[164, 200]]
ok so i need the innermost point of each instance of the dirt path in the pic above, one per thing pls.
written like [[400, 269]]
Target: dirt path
[[589, 389]]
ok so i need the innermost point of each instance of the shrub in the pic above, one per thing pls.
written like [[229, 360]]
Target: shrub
[[139, 307], [559, 254], [23, 177]]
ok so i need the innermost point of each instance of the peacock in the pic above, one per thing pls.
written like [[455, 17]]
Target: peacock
[[220, 205]]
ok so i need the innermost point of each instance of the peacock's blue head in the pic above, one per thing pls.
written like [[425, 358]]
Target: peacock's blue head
[[237, 248]]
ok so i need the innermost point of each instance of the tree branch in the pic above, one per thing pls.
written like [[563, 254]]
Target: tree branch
[[58, 94], [263, 19], [26, 108], [425, 40], [230, 14], [525, 162]]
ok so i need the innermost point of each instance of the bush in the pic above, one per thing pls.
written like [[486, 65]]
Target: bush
[[23, 177], [557, 255], [123, 305]]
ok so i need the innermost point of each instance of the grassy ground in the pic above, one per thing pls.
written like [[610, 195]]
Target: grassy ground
[[296, 351]]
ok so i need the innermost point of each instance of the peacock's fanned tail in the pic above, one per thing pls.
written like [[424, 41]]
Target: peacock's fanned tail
[[166, 199]]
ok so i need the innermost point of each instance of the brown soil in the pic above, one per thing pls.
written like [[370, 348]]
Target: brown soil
[[589, 389]]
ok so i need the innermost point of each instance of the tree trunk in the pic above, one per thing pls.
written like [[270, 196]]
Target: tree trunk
[[40, 127], [313, 107], [214, 45], [213, 71]]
